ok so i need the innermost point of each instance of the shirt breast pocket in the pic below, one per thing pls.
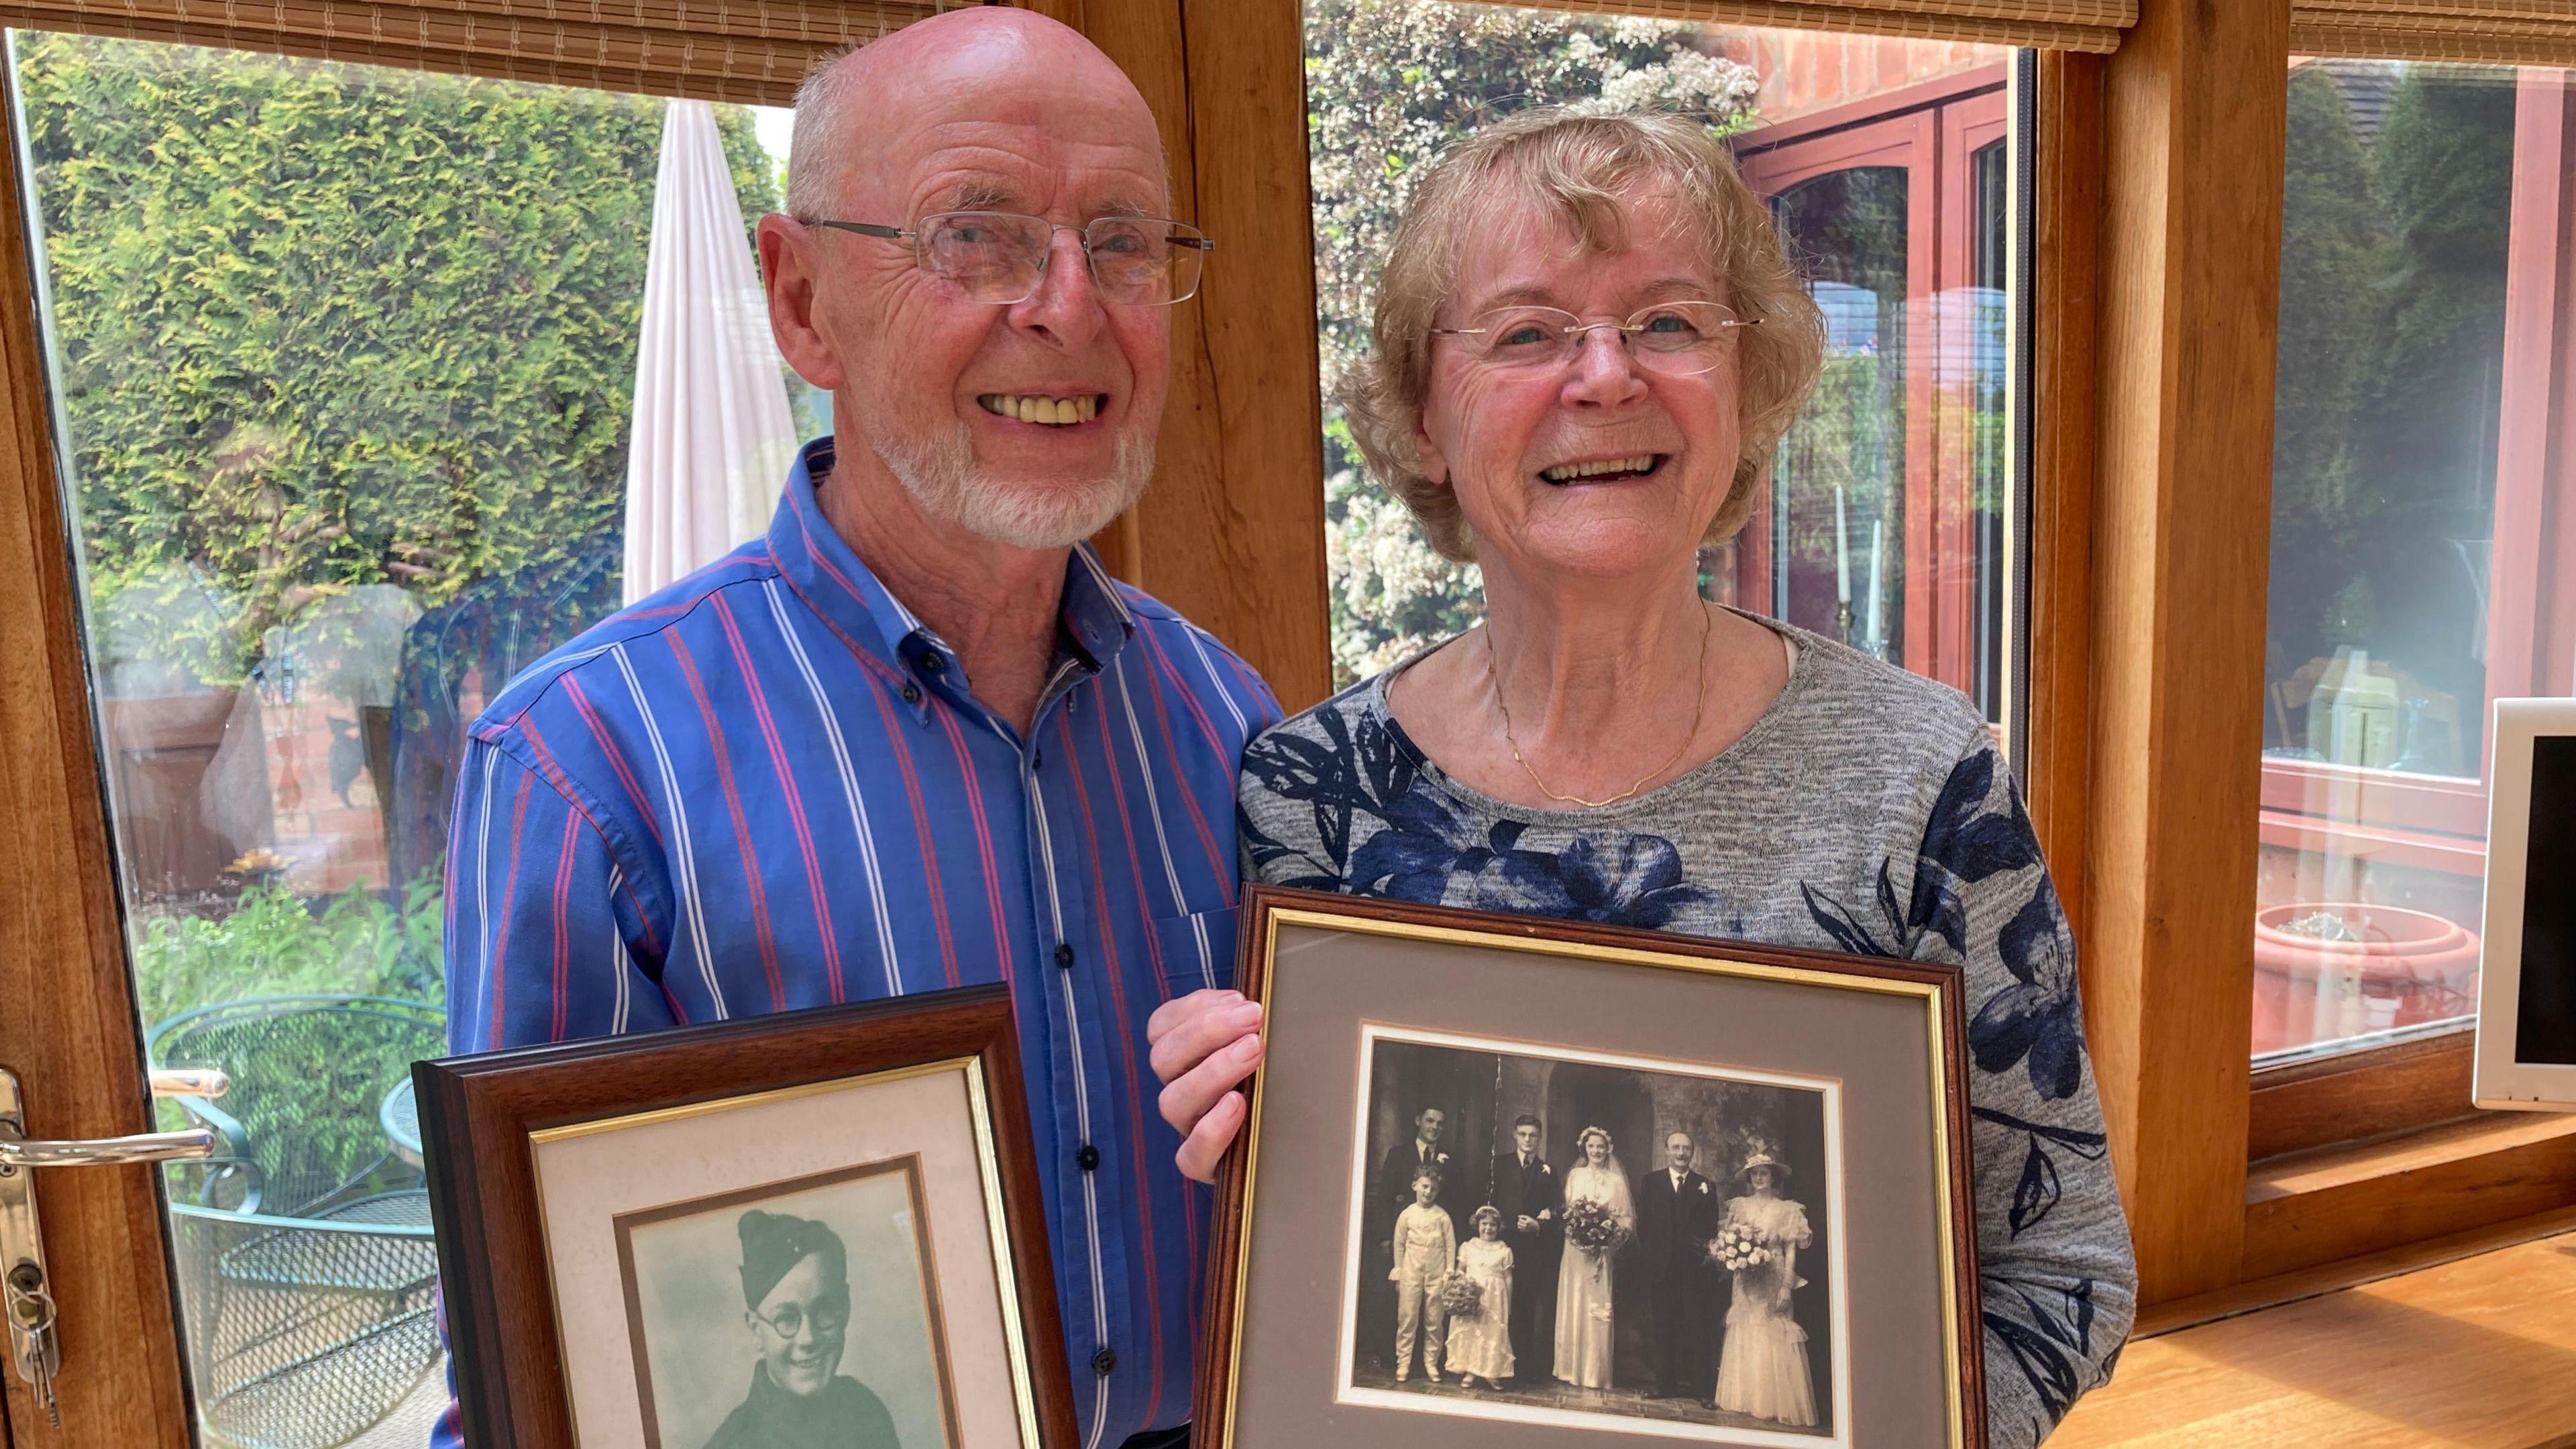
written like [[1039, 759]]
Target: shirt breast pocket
[[1197, 950]]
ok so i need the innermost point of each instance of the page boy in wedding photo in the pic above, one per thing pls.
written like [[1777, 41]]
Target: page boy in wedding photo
[[1425, 1245], [1480, 1339]]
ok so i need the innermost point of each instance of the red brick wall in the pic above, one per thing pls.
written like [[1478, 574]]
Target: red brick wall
[[1805, 71]]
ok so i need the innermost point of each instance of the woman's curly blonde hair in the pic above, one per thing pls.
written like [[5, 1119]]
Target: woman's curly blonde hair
[[1584, 168]]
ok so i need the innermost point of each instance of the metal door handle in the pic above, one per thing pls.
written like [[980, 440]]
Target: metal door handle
[[17, 1152], [35, 1348]]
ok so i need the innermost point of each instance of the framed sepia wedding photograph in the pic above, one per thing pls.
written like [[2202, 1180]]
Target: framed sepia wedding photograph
[[1513, 1182], [737, 1235]]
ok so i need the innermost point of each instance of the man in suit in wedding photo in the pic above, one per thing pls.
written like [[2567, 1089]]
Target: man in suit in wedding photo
[[1394, 1191], [1677, 1215], [1528, 1194]]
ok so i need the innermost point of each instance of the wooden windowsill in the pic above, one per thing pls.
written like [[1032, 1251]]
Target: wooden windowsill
[[2324, 1206], [2330, 1168], [2479, 1353]]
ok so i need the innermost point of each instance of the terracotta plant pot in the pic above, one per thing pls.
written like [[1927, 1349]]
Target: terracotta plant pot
[[2408, 967]]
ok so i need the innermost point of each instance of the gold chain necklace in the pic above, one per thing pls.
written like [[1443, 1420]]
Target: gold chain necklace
[[1495, 676]]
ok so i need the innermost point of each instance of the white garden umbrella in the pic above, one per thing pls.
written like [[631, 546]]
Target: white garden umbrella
[[711, 435]]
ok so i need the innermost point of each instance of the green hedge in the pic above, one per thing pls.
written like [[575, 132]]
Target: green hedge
[[322, 325]]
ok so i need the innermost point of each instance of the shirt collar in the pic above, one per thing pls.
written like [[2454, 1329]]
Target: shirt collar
[[823, 568]]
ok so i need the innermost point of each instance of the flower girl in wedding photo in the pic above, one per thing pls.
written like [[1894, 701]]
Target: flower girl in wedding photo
[[1762, 1369], [1426, 1245], [1480, 1316]]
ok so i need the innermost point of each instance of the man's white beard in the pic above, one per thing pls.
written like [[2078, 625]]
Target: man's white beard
[[941, 477]]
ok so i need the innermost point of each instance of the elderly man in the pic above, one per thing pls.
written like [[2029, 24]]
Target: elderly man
[[915, 737]]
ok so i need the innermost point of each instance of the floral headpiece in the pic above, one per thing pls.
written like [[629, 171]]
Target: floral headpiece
[[1589, 1133]]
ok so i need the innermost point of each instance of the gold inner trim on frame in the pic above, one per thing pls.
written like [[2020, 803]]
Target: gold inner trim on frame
[[1928, 994], [988, 1171]]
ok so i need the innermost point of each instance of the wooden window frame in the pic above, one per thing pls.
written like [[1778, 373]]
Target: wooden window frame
[[2157, 300]]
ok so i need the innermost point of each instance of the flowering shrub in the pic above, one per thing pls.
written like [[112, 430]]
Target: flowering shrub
[[1388, 83]]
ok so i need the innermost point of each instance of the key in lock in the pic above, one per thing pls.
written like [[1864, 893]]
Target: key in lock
[[31, 1330]]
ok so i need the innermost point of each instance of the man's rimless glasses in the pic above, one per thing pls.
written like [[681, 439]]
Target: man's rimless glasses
[[1001, 256]]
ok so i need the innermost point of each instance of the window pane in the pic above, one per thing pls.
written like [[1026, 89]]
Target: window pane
[[347, 367], [1885, 162], [2423, 296]]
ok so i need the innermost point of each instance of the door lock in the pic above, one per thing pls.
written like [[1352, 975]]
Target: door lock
[[26, 1289]]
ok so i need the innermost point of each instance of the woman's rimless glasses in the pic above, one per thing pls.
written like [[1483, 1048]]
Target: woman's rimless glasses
[[1680, 339], [1001, 256]]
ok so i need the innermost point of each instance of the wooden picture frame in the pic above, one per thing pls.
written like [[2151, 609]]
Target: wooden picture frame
[[1849, 1072], [555, 1170]]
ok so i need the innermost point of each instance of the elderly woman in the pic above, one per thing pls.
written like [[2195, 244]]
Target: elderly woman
[[1587, 345]]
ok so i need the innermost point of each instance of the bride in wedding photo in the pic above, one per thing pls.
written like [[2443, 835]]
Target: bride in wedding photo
[[1583, 1322]]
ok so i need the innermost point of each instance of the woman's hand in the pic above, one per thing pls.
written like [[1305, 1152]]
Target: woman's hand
[[1204, 1045]]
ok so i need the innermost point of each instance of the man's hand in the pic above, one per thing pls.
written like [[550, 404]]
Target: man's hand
[[1527, 1224], [1204, 1045]]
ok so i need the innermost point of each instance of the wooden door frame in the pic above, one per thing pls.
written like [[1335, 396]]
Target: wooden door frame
[[70, 1032], [1969, 125], [1905, 140], [1932, 129]]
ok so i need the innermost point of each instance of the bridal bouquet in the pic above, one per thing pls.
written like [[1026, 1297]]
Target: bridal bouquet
[[1591, 1225], [1737, 1248], [1460, 1295]]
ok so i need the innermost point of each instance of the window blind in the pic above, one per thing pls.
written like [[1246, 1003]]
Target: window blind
[[752, 51], [2496, 32], [2044, 24]]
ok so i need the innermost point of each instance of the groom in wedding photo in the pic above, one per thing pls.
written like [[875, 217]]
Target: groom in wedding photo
[[1529, 1196], [1677, 1215]]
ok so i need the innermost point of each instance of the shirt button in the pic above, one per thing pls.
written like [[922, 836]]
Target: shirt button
[[911, 692], [1064, 954], [930, 663], [1104, 1362], [1088, 1157]]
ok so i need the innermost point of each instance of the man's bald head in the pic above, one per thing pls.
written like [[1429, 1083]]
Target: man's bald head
[[948, 62], [1028, 424]]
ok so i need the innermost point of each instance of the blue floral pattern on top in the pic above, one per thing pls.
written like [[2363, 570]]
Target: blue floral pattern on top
[[1340, 799]]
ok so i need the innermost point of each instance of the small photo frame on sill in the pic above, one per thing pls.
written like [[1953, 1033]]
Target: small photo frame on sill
[[2526, 1038], [709, 1237], [1513, 1183]]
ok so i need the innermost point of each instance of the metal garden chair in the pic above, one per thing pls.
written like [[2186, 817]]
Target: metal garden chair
[[308, 1268]]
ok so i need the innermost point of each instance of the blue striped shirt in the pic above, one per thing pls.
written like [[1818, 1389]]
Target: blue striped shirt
[[769, 787]]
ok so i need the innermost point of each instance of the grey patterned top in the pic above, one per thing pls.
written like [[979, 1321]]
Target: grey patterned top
[[1866, 811]]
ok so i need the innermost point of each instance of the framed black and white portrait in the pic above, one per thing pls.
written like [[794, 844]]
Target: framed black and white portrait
[[1509, 1183], [814, 1227], [1587, 1239]]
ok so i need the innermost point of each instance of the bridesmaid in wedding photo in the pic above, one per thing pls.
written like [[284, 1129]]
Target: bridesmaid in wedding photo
[[1583, 1322], [1480, 1342], [1762, 1369]]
